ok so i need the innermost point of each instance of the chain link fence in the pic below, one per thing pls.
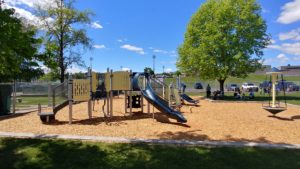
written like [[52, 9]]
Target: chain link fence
[[24, 97]]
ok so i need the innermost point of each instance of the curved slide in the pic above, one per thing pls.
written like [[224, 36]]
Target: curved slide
[[188, 99], [156, 101]]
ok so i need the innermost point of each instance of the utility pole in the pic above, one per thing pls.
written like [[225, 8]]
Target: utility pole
[[163, 68], [91, 62], [153, 57]]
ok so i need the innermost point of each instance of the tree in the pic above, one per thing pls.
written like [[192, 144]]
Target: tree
[[224, 38], [148, 70], [177, 73], [18, 48], [64, 38]]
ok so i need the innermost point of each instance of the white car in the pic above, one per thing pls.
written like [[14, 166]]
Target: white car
[[249, 86]]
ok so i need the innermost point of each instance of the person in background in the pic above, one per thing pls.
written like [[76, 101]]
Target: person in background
[[208, 91], [183, 86], [251, 94]]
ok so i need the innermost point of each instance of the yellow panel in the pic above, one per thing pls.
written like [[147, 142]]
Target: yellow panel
[[94, 81], [81, 90], [120, 81]]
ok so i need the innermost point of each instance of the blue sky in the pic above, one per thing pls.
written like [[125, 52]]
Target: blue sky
[[128, 33]]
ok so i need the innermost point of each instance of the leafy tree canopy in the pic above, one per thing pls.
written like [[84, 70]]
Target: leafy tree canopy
[[64, 38], [148, 70], [224, 38], [18, 48]]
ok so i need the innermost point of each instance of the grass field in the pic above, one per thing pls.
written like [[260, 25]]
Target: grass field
[[292, 98], [35, 100], [254, 78], [33, 153]]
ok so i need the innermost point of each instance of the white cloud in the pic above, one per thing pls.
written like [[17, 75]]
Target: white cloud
[[290, 12], [292, 35], [166, 52], [289, 48], [272, 41], [122, 40], [99, 46], [96, 25], [133, 49], [168, 70], [126, 69], [282, 58], [28, 16], [264, 10], [160, 51], [32, 3], [24, 9], [75, 69]]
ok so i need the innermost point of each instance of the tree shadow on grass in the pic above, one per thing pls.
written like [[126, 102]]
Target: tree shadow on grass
[[183, 135], [35, 153]]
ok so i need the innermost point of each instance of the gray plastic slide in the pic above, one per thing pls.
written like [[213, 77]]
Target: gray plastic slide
[[158, 102], [188, 99]]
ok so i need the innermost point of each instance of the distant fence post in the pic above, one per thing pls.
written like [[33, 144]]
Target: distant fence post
[[49, 94]]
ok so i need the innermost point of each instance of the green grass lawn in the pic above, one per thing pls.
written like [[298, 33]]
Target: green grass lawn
[[33, 153], [292, 98], [254, 78], [35, 100]]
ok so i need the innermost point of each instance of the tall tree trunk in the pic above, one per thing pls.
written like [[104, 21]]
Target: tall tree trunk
[[61, 47], [221, 81], [61, 63]]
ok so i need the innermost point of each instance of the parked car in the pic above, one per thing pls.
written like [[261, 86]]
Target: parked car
[[249, 86], [232, 87], [198, 85], [288, 86], [265, 84]]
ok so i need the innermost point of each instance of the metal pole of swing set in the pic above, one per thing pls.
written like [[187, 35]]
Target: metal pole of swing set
[[273, 90]]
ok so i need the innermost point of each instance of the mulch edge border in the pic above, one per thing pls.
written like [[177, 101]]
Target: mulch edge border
[[151, 141]]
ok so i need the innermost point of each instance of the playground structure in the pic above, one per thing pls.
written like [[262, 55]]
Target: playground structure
[[68, 93], [184, 97], [165, 98], [274, 106]]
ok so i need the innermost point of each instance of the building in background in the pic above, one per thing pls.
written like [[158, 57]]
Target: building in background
[[290, 70]]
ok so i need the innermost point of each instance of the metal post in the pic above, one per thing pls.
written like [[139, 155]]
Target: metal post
[[108, 96], [125, 102], [91, 93], [14, 96], [39, 109], [153, 57], [111, 93], [169, 97], [274, 90], [49, 94], [70, 97], [130, 96], [142, 103]]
